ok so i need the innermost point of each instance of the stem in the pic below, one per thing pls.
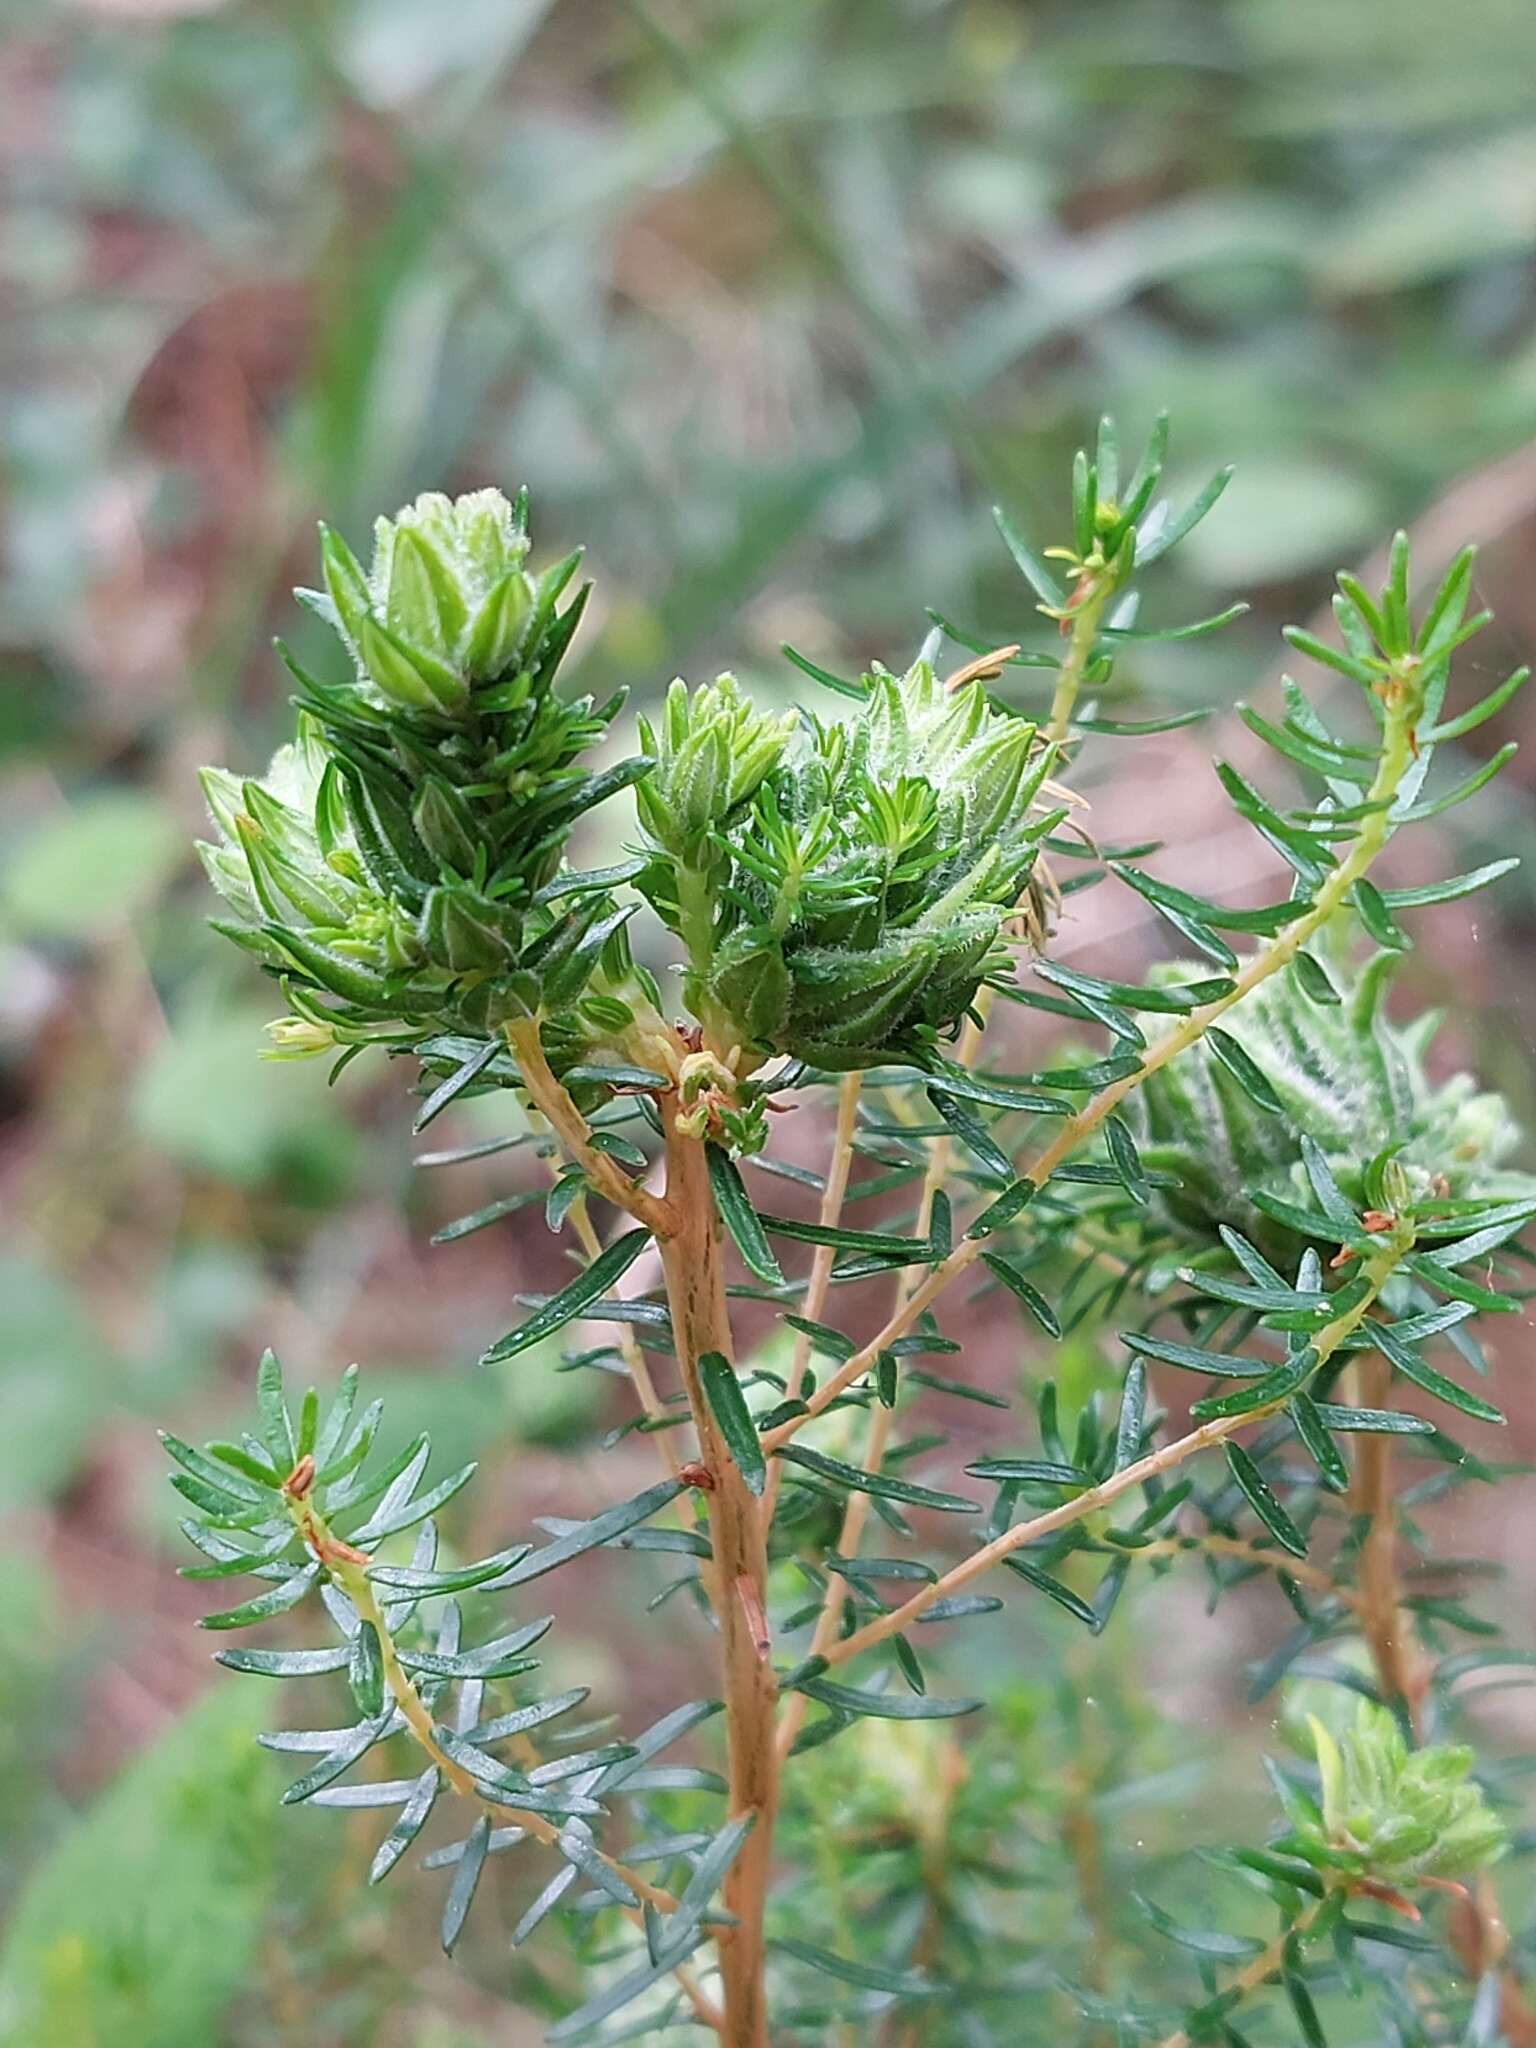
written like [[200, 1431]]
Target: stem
[[814, 1299], [696, 929], [856, 1508], [737, 1581], [1388, 1637], [1298, 1568], [1376, 1269], [1395, 756], [549, 1096], [1475, 1925], [1256, 1974], [1069, 677]]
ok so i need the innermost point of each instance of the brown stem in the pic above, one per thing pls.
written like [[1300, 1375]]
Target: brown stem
[[550, 1097], [737, 1580], [1400, 1673], [815, 1297], [1211, 1545], [1475, 1924], [877, 1437]]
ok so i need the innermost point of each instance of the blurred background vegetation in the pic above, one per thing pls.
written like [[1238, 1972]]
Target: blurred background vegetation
[[767, 304]]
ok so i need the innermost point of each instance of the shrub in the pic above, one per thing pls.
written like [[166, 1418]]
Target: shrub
[[1237, 1171]]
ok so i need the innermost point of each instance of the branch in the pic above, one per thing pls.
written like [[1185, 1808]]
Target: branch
[[1395, 756], [350, 1573], [856, 1509], [1376, 1270], [550, 1097], [814, 1300], [1253, 1976], [1212, 1545]]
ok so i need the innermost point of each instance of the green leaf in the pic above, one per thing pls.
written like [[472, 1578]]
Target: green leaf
[[1408, 1362], [1256, 1490], [611, 1999], [1497, 1227], [466, 1876], [1484, 709], [1030, 566], [334, 1428], [400, 1578], [1265, 1300], [1369, 1421], [365, 1671], [592, 1282], [1321, 1448], [1125, 1159], [722, 1389], [391, 1517], [884, 1706], [1261, 1393], [1245, 1071], [879, 1243], [1313, 977], [265, 1605], [276, 1428], [740, 1218], [1167, 536], [1432, 807], [413, 1818], [1376, 917], [1215, 1946], [481, 1219], [286, 1663], [869, 1977], [1457, 1285], [672, 1936], [1039, 1471], [464, 1074], [880, 1485], [1452, 889], [246, 1482], [589, 1535], [825, 677], [1195, 630], [1004, 1209], [885, 1378], [997, 1091], [1007, 1271], [1301, 2000], [972, 1134], [1220, 1364], [1133, 1408], [1053, 1590], [354, 1744]]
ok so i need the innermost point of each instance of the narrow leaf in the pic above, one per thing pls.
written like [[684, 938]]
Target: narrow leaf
[[722, 1389]]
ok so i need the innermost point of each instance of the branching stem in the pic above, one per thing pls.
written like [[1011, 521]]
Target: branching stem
[[350, 1572], [1254, 1976], [814, 1300], [737, 1579], [1269, 960], [553, 1101], [1375, 1271]]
